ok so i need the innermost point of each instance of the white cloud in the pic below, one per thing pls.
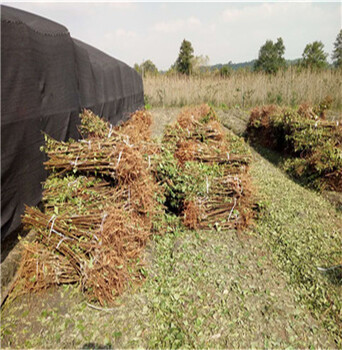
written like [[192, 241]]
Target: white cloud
[[122, 33], [193, 22], [122, 5], [212, 27], [168, 26], [175, 26], [262, 12]]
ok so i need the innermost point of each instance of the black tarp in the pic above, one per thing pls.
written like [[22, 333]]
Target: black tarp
[[47, 77]]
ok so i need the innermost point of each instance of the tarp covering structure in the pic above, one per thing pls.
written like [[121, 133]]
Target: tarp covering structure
[[47, 77]]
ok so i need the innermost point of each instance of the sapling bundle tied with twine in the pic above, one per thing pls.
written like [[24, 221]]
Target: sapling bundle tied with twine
[[310, 144], [100, 207], [211, 166]]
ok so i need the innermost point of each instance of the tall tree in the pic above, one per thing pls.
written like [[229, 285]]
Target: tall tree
[[199, 64], [314, 56], [271, 57], [226, 70], [137, 67], [184, 60], [147, 67], [337, 53]]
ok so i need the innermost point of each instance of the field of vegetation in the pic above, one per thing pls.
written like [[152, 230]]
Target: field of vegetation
[[245, 89]]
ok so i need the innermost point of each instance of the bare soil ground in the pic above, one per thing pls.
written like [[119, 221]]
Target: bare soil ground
[[203, 289]]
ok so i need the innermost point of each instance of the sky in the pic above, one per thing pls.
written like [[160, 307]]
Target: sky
[[223, 31]]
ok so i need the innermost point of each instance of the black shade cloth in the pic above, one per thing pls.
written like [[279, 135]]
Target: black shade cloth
[[47, 77]]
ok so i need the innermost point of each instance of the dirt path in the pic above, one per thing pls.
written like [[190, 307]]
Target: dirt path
[[204, 289]]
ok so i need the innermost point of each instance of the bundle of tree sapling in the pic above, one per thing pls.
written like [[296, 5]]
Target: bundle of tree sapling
[[100, 208]]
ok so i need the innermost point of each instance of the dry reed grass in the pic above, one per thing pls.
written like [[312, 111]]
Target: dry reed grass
[[245, 89]]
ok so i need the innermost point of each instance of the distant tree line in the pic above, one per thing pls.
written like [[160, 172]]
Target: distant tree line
[[270, 60]]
